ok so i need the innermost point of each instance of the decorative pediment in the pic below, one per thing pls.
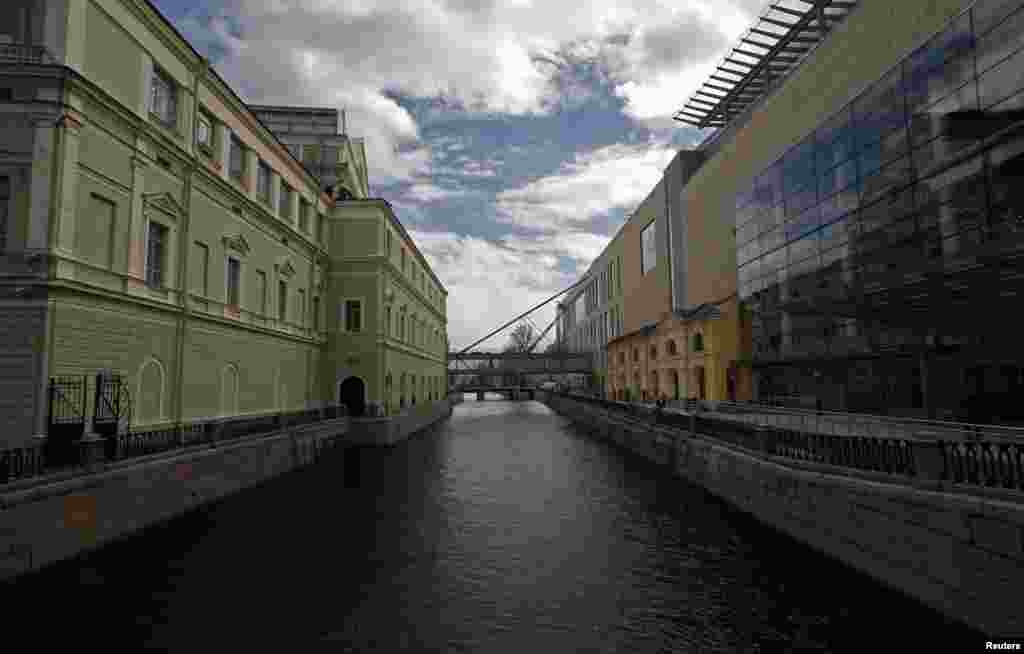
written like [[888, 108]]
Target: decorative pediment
[[285, 268], [236, 243], [164, 203]]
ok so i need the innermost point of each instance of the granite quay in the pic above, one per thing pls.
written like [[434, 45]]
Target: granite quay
[[940, 521]]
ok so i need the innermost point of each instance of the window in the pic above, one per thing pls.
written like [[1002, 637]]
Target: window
[[204, 133], [164, 98], [302, 306], [636, 354], [261, 291], [698, 342], [316, 314], [648, 256], [304, 216], [236, 165], [401, 325], [285, 208], [5, 200], [234, 280], [282, 300], [156, 252], [387, 321], [403, 259], [263, 181], [200, 268], [353, 315]]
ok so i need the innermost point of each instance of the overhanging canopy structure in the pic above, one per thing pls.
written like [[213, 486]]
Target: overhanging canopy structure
[[783, 34]]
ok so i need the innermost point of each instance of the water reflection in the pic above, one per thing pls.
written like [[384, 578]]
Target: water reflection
[[502, 531]]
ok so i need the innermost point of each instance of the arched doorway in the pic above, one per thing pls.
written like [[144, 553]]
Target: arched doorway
[[352, 393]]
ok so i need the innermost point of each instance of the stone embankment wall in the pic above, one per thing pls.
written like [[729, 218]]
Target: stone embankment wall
[[959, 550], [45, 520], [395, 429]]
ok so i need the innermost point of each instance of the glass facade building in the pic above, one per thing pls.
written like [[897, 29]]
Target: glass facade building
[[878, 258]]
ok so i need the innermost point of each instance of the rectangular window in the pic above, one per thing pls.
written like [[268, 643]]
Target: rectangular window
[[353, 315], [302, 306], [263, 181], [5, 201], [316, 314], [200, 268], [282, 300], [164, 98], [236, 167], [648, 254], [261, 291], [303, 216], [286, 202], [387, 321], [234, 280], [204, 133], [156, 251]]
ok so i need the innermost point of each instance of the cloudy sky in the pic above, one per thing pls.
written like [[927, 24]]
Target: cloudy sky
[[513, 137]]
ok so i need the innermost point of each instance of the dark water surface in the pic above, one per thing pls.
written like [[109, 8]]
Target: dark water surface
[[502, 531]]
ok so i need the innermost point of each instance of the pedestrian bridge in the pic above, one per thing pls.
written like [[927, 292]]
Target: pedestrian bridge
[[492, 364]]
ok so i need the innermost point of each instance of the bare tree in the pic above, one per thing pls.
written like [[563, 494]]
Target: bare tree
[[521, 338]]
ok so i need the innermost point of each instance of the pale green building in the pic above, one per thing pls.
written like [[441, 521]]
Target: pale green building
[[151, 225]]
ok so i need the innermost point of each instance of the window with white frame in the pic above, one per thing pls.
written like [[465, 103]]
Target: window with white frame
[[164, 98], [648, 254], [156, 254], [236, 165], [353, 315], [263, 181], [204, 132]]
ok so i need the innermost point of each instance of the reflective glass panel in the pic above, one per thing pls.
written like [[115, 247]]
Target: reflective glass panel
[[1003, 40], [1002, 81]]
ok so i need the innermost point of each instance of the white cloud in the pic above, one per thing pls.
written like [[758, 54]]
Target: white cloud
[[424, 192], [614, 177], [491, 56]]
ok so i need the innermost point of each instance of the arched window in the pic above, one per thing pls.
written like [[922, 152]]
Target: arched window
[[698, 342], [671, 347]]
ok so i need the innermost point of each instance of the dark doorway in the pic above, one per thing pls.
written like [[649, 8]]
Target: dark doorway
[[353, 395]]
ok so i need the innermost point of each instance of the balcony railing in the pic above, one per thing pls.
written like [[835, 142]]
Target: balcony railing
[[21, 53]]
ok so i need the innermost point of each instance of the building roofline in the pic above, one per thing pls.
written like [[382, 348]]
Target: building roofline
[[212, 72], [381, 202]]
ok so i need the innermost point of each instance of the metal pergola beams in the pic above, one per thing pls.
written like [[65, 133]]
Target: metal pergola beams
[[802, 30]]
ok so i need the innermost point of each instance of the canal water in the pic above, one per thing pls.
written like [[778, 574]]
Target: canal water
[[503, 530]]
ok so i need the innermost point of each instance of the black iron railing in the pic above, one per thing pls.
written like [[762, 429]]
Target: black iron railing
[[979, 463], [33, 460]]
